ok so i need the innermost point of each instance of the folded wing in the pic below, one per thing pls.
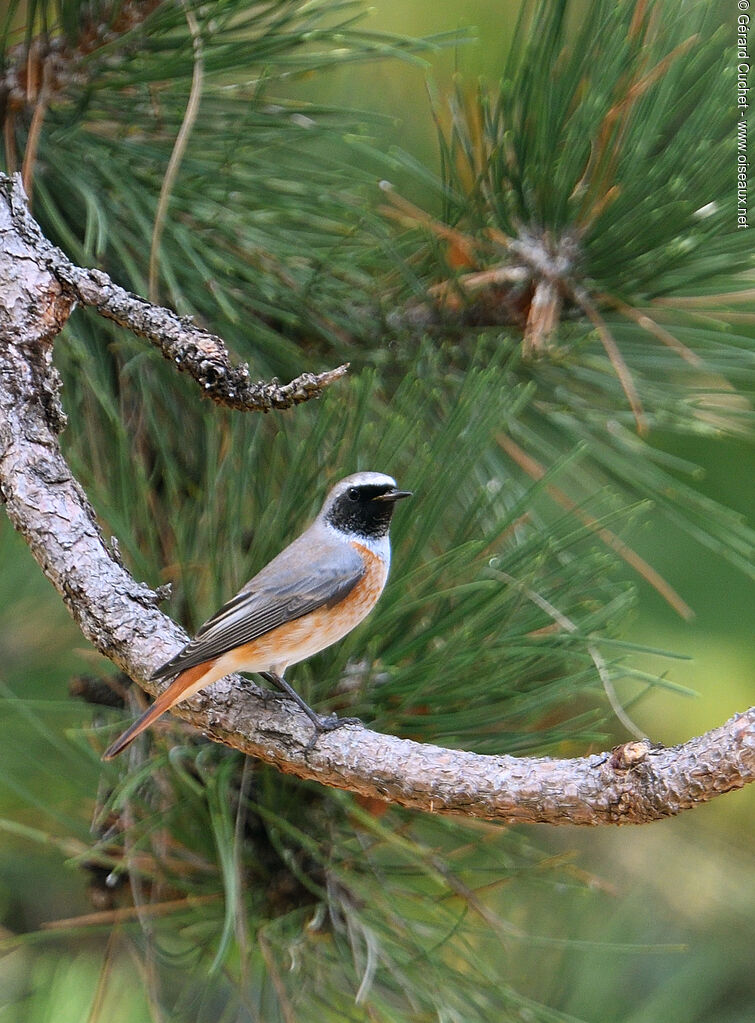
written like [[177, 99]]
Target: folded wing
[[302, 578]]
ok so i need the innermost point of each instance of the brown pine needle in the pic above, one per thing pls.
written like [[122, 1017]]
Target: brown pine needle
[[284, 1002], [598, 207], [40, 99], [499, 237], [739, 317], [644, 321], [643, 84], [176, 157], [536, 472], [126, 913], [601, 163], [102, 981], [702, 301], [562, 621], [413, 214], [638, 17], [9, 143], [483, 279], [617, 360]]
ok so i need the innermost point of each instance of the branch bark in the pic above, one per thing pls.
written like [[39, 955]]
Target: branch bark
[[635, 783], [193, 350]]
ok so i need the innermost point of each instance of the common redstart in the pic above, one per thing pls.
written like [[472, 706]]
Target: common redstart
[[308, 597]]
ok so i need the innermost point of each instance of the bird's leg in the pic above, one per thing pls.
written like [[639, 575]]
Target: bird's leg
[[280, 682], [321, 724]]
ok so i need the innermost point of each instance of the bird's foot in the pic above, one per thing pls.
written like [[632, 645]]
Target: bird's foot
[[328, 724]]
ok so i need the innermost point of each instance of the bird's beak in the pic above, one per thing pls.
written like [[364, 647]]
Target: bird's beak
[[393, 495]]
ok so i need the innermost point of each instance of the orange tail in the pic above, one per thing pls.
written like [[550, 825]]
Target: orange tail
[[172, 695]]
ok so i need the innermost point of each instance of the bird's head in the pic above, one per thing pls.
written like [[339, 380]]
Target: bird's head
[[362, 504]]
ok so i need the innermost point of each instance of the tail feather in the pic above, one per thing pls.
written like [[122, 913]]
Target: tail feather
[[175, 692]]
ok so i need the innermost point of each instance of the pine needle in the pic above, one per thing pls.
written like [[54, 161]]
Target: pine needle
[[179, 148], [536, 471]]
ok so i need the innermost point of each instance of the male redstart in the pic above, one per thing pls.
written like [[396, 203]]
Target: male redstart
[[308, 597]]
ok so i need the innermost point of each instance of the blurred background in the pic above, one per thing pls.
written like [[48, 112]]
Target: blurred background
[[659, 922]]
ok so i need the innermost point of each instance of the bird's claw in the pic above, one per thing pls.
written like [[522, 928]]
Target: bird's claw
[[328, 724]]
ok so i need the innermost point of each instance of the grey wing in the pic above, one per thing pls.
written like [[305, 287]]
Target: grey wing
[[303, 577]]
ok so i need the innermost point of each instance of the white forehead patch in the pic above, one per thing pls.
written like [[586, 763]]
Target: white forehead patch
[[366, 478]]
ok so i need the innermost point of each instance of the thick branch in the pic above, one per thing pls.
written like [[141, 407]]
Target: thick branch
[[634, 784], [193, 350]]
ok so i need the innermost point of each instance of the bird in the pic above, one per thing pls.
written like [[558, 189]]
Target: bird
[[308, 597]]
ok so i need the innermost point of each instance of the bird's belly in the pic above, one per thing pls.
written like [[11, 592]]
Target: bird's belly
[[305, 636]]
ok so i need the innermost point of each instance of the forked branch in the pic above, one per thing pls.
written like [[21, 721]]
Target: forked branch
[[193, 350]]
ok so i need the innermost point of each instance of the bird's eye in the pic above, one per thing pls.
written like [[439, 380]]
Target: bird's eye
[[353, 493]]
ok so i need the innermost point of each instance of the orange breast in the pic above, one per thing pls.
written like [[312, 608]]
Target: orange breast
[[305, 636]]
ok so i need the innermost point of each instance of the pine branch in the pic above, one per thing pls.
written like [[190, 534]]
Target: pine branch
[[196, 351], [634, 784]]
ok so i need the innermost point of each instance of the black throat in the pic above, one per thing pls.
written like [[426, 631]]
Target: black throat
[[357, 511]]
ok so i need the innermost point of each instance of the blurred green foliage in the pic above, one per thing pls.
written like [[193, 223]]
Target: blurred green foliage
[[230, 892]]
